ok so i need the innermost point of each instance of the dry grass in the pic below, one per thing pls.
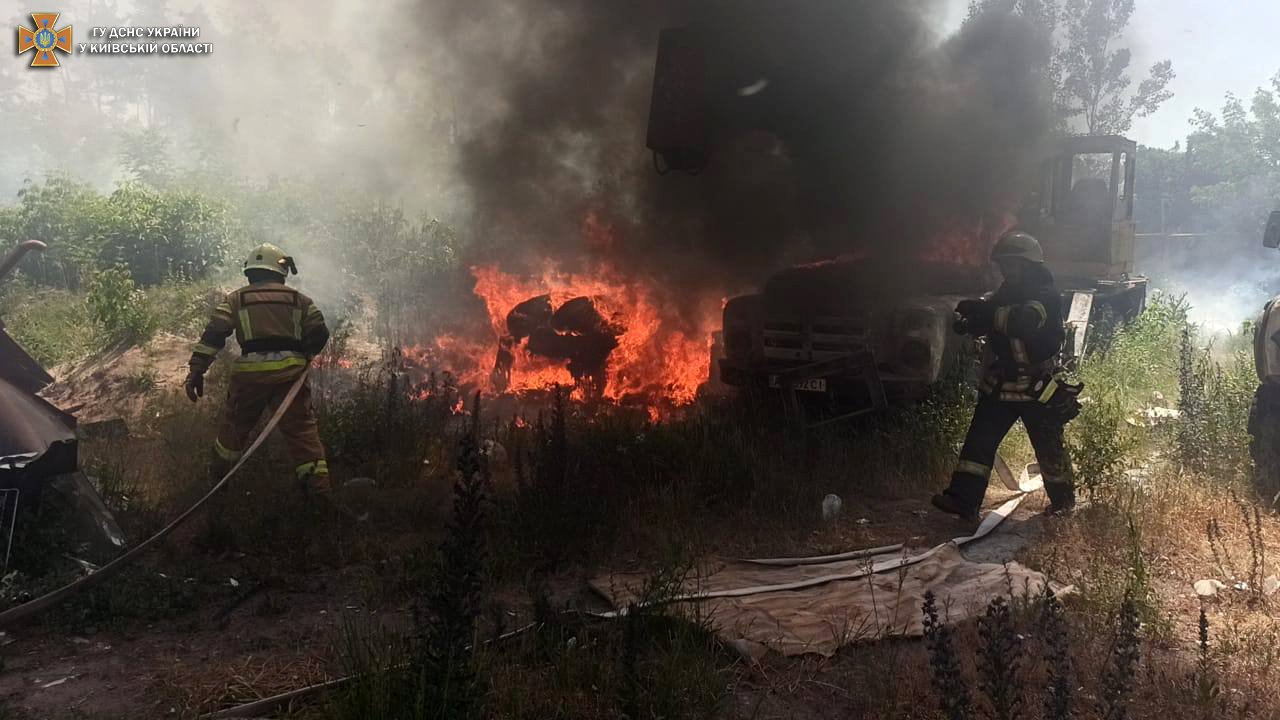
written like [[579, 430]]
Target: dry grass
[[197, 688]]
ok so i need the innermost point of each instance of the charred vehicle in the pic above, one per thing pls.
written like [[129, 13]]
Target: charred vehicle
[[39, 447], [831, 336], [831, 332]]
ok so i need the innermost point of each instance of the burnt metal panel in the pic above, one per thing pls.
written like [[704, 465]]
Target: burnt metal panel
[[19, 368]]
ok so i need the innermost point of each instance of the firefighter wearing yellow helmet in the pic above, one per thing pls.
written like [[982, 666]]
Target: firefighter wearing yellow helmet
[[279, 330], [1022, 324]]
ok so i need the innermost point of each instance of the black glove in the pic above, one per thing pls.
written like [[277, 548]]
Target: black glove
[[194, 385], [976, 317]]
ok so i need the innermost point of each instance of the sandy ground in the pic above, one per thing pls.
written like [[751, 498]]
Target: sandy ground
[[115, 383]]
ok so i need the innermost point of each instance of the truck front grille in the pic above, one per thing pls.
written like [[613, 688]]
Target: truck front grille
[[813, 340]]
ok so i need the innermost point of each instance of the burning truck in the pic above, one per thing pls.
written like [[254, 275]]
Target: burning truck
[[832, 332], [837, 132], [848, 336]]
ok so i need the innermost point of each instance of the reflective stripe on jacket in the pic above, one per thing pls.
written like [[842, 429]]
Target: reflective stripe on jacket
[[276, 326]]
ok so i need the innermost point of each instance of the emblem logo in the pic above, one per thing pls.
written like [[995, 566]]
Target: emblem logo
[[45, 40]]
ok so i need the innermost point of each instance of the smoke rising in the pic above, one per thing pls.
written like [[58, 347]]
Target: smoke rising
[[329, 90], [836, 127]]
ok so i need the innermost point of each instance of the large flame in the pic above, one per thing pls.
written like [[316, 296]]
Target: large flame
[[661, 359]]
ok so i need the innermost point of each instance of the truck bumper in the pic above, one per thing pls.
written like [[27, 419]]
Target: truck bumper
[[852, 385]]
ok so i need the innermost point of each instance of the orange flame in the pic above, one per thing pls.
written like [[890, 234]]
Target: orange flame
[[660, 359]]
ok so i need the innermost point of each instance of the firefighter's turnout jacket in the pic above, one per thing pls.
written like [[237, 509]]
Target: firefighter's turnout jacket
[[1024, 331], [1023, 338], [278, 329]]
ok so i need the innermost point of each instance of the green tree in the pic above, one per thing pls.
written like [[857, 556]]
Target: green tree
[[1234, 164], [1086, 70], [146, 155], [1096, 76], [1163, 194], [156, 234]]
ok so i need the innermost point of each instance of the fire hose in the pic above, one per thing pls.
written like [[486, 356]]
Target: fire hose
[[50, 599]]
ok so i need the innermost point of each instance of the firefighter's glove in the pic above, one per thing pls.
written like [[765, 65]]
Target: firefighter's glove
[[976, 317], [194, 385]]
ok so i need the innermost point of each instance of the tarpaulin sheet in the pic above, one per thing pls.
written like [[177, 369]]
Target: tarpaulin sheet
[[822, 618], [797, 606]]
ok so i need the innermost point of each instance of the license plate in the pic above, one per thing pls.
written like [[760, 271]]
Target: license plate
[[809, 385]]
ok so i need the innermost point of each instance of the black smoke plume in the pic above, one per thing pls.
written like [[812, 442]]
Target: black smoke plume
[[837, 126]]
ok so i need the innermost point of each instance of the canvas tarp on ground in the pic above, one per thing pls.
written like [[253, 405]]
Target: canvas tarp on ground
[[823, 618], [798, 606]]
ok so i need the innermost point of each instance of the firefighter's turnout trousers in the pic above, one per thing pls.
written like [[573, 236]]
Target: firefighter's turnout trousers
[[1264, 439], [1024, 332], [991, 422], [278, 329], [250, 396]]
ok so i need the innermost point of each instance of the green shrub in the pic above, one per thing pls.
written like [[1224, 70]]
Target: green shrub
[[1099, 444], [1138, 360], [118, 308], [1213, 434], [160, 235], [69, 217], [157, 234]]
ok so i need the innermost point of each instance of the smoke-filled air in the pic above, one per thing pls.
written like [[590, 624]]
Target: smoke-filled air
[[680, 359]]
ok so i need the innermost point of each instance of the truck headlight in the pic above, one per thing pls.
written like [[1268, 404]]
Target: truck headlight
[[915, 354]]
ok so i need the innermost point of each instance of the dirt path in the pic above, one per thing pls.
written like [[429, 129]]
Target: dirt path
[[226, 652]]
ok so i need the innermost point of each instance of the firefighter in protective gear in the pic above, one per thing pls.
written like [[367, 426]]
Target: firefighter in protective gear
[[1022, 323], [1264, 415], [279, 330]]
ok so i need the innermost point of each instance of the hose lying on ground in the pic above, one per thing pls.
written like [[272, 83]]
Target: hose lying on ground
[[1024, 487], [48, 600]]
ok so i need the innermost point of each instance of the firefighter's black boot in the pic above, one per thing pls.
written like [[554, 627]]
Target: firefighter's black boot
[[1062, 499], [949, 503]]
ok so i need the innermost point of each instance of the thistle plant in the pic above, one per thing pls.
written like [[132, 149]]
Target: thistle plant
[[998, 659], [1121, 671], [953, 690], [1057, 699]]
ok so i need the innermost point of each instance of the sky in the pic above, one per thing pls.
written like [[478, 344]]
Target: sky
[[1217, 46]]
